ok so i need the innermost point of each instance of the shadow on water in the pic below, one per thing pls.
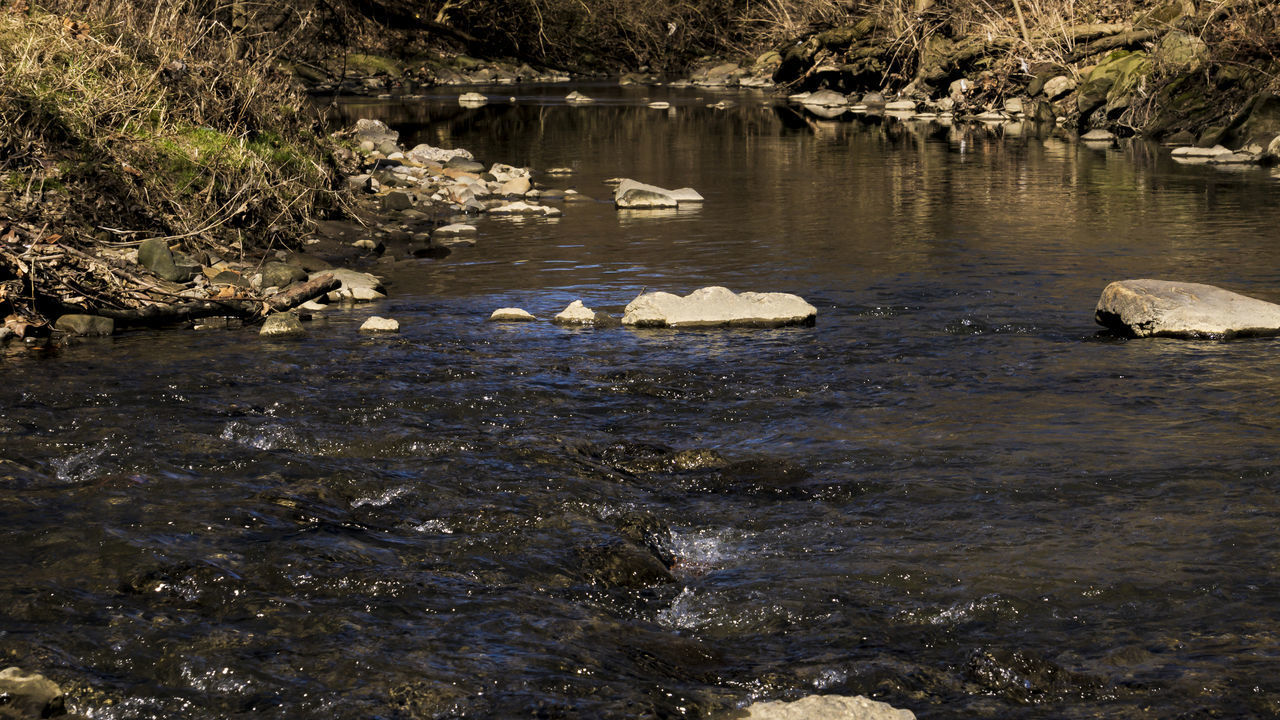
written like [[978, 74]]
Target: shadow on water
[[951, 493]]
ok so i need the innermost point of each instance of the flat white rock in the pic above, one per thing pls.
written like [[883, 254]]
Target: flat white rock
[[377, 324], [1147, 308], [454, 230], [356, 286], [523, 208], [511, 315], [712, 306]]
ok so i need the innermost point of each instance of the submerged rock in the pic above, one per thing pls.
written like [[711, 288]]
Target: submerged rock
[[825, 707], [286, 324], [511, 315], [454, 230], [1162, 308], [29, 695], [712, 306], [577, 98]]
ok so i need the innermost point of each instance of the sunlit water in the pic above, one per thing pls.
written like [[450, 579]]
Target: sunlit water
[[952, 493]]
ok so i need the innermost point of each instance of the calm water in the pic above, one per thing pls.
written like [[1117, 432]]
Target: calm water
[[952, 493]]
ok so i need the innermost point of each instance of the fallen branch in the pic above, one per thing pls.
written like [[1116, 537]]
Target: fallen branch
[[245, 309]]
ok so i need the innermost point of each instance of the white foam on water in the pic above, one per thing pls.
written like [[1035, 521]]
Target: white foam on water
[[382, 499]]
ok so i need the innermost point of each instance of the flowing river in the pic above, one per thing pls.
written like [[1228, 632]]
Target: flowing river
[[954, 493]]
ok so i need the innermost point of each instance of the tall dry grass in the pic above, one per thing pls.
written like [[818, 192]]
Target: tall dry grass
[[156, 117]]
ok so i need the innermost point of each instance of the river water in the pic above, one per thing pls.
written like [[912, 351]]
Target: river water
[[953, 493]]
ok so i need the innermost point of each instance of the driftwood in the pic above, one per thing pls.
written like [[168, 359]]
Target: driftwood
[[47, 273], [158, 314], [1113, 42]]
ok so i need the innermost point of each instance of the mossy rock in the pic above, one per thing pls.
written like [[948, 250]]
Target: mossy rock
[[363, 64], [1180, 51], [1113, 81]]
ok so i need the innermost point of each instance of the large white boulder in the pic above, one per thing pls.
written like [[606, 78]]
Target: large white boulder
[[1147, 308], [711, 306], [826, 707]]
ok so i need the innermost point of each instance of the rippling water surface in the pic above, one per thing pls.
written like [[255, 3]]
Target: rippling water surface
[[952, 493]]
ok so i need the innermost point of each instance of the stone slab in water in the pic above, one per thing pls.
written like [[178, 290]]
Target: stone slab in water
[[511, 315], [633, 195], [718, 306], [1164, 308], [826, 707]]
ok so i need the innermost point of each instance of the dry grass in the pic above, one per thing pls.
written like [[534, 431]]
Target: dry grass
[[140, 117]]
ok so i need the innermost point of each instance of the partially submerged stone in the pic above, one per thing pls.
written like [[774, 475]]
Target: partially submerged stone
[[377, 324], [575, 314], [633, 195], [454, 230], [577, 98], [826, 707], [523, 208], [89, 325], [717, 306], [356, 286], [1199, 153], [1163, 308], [29, 695], [285, 324], [472, 99], [511, 315], [1098, 136]]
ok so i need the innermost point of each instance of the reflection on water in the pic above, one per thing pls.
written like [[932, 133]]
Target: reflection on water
[[952, 493]]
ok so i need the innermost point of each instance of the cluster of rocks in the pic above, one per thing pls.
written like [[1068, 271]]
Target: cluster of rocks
[[423, 181], [707, 307]]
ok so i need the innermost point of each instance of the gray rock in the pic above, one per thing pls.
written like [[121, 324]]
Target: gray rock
[[502, 173], [286, 324], [825, 98], [472, 99], [356, 286], [377, 324], [1098, 136], [397, 200], [458, 162], [511, 315], [424, 154], [281, 275], [1194, 154], [900, 106], [376, 132], [826, 707], [515, 186], [76, 324], [1163, 308], [29, 695], [524, 208], [638, 196], [453, 230], [577, 98], [717, 306], [155, 255], [229, 277], [1056, 87]]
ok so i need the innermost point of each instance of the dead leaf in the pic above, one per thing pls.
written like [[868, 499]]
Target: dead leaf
[[52, 239]]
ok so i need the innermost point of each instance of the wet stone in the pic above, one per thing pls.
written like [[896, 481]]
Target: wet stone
[[89, 325], [623, 564], [283, 325], [29, 695]]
